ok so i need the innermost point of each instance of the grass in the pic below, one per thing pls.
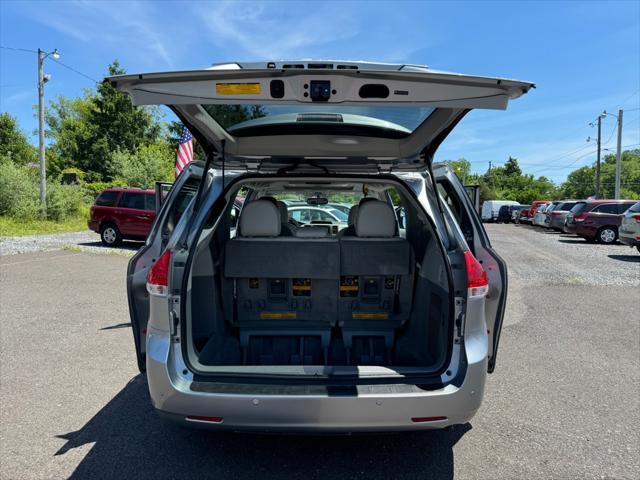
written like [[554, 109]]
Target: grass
[[11, 227]]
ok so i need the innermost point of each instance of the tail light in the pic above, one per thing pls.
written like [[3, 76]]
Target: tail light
[[477, 282], [636, 218], [555, 213], [579, 218], [158, 276]]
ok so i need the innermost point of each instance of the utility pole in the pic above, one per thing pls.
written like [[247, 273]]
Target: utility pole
[[598, 158], [42, 79], [618, 155], [43, 170]]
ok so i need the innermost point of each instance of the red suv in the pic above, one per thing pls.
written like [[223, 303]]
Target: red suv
[[527, 214], [123, 213], [597, 220]]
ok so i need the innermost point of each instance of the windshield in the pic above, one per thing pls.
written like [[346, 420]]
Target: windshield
[[258, 118]]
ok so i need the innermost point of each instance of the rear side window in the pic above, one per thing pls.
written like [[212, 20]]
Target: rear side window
[[578, 207], [132, 200], [635, 208], [623, 207], [607, 208], [149, 202], [107, 199], [567, 206]]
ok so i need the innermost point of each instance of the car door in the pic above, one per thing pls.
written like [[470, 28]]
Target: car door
[[453, 193], [174, 206], [134, 219]]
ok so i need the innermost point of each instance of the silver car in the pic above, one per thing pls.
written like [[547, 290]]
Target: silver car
[[629, 231], [364, 330]]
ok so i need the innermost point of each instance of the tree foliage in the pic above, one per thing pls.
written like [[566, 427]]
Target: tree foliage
[[13, 143], [86, 131]]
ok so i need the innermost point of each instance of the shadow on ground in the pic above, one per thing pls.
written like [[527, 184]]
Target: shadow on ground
[[126, 245], [626, 258], [131, 441]]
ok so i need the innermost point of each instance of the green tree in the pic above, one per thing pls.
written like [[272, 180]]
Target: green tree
[[461, 167], [150, 163], [87, 130], [13, 143]]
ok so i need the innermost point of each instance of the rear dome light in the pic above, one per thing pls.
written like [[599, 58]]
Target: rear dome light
[[477, 282], [158, 276]]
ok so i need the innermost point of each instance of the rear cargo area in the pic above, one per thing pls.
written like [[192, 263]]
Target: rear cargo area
[[266, 289]]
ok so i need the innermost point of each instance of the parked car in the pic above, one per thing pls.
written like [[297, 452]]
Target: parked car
[[529, 213], [319, 215], [319, 332], [629, 230], [491, 209], [558, 215], [122, 213], [517, 212], [343, 207], [597, 220], [540, 216]]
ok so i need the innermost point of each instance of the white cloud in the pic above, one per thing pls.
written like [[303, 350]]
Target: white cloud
[[276, 31]]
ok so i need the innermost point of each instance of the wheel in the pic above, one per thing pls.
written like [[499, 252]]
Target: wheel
[[110, 235], [608, 235]]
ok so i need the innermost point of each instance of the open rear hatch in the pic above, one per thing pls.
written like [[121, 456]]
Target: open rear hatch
[[344, 116]]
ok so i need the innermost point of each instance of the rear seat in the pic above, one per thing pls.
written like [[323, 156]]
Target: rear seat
[[376, 283], [285, 300]]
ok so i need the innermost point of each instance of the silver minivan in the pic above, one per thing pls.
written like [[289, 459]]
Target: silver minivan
[[246, 321]]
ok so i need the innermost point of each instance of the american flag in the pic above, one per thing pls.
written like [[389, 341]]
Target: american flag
[[185, 150]]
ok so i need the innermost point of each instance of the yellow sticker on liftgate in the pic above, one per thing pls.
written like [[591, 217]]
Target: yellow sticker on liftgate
[[237, 88]]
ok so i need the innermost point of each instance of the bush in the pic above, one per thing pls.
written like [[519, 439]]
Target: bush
[[20, 195], [151, 163], [19, 191]]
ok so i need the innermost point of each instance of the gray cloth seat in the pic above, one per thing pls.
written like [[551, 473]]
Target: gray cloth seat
[[286, 230], [376, 276], [284, 286]]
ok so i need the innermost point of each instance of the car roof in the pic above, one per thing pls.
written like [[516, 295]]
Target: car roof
[[128, 189], [612, 200]]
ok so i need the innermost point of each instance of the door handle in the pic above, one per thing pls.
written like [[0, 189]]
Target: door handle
[[143, 216]]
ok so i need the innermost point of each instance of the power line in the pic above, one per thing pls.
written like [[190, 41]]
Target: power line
[[74, 70], [52, 59], [18, 49]]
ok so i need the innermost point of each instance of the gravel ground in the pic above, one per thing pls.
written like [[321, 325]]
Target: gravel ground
[[86, 241], [564, 402]]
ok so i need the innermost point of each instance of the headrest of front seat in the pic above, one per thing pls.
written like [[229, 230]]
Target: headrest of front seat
[[353, 213], [260, 218], [375, 219], [284, 213]]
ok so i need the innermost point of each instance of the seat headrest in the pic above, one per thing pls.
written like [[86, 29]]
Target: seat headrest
[[284, 213], [260, 218], [353, 212], [375, 219], [315, 231]]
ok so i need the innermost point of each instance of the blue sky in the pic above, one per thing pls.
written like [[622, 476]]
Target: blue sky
[[583, 56]]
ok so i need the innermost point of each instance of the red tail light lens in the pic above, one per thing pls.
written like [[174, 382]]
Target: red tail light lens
[[637, 218], [477, 282], [204, 419], [158, 276], [579, 218]]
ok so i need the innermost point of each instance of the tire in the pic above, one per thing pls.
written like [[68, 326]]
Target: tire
[[608, 235], [110, 235]]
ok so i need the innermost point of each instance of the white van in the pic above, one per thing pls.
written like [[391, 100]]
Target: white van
[[490, 209]]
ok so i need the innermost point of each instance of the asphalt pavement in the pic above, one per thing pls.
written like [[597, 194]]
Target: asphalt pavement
[[564, 401]]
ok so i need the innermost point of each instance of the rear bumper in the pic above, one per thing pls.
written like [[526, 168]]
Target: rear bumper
[[93, 225], [373, 408], [630, 239]]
